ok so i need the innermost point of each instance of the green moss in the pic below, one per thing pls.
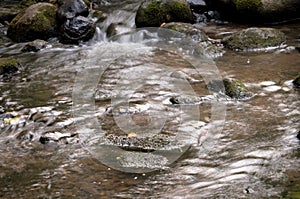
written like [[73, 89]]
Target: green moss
[[255, 38], [248, 5], [180, 11], [154, 13], [8, 65], [36, 22], [231, 87]]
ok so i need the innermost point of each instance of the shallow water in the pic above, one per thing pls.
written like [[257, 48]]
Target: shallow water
[[249, 150]]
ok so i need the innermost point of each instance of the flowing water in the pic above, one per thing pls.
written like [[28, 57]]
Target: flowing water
[[65, 98]]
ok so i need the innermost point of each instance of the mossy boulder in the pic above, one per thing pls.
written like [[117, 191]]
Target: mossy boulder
[[35, 22], [258, 11], [8, 66], [152, 13], [296, 82], [231, 87], [255, 39]]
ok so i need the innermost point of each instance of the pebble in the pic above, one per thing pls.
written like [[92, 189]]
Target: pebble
[[272, 88], [267, 83]]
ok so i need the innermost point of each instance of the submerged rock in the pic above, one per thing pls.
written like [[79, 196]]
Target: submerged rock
[[8, 65], [252, 39], [192, 100], [132, 143], [35, 22], [186, 99], [34, 46], [209, 48], [153, 13], [233, 88], [296, 82], [182, 75], [188, 29]]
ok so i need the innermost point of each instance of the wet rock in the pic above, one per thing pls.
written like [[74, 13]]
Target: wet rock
[[198, 35], [77, 29], [185, 99], [111, 30], [188, 29], [74, 24], [36, 22], [8, 66], [59, 137], [192, 99], [196, 3], [153, 13], [182, 75], [296, 82], [69, 9], [132, 143], [233, 88], [258, 11], [298, 135], [255, 39], [34, 46]]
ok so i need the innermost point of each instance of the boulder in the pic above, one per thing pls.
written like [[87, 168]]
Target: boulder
[[233, 88], [258, 11], [35, 22], [254, 39], [152, 13], [77, 29], [73, 22], [34, 46], [68, 9], [8, 66]]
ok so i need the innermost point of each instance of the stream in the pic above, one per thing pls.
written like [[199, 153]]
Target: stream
[[66, 98]]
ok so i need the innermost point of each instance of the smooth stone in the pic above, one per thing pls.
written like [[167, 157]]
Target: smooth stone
[[267, 83], [273, 88]]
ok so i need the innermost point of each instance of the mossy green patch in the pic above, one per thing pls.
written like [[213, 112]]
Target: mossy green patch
[[35, 22], [236, 89], [231, 87], [255, 38], [154, 13], [8, 65], [248, 5]]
